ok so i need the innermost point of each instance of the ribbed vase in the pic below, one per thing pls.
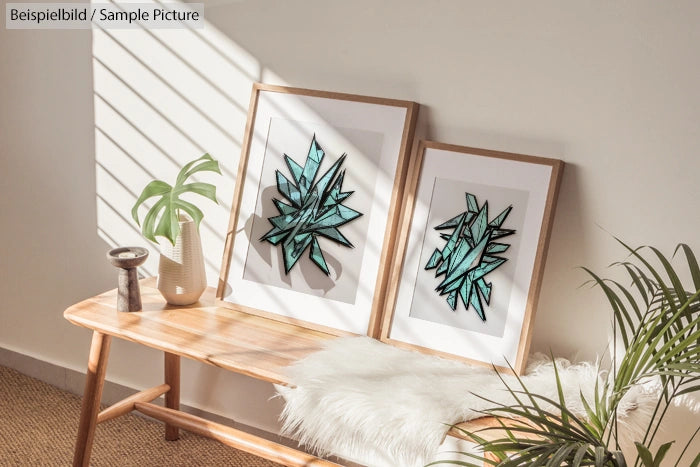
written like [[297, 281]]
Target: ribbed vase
[[181, 276]]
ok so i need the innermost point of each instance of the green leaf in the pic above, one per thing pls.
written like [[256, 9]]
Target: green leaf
[[155, 188], [168, 226], [149, 222], [671, 273], [632, 302], [661, 453], [191, 210], [692, 263], [463, 463], [562, 454], [599, 456], [659, 323], [640, 282], [205, 189], [560, 391], [592, 416], [580, 454], [660, 283], [644, 454], [619, 459], [619, 312], [163, 218], [206, 164]]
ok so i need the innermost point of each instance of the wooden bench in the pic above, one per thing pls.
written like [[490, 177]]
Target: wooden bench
[[229, 339]]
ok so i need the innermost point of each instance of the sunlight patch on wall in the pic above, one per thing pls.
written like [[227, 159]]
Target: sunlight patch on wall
[[162, 98]]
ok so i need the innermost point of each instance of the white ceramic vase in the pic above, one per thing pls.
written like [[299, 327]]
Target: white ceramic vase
[[181, 276]]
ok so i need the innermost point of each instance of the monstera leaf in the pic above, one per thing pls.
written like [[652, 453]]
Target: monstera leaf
[[162, 219]]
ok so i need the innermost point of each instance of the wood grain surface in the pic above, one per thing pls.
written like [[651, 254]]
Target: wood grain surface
[[230, 339]]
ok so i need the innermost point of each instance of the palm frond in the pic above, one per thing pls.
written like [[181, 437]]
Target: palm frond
[[657, 318]]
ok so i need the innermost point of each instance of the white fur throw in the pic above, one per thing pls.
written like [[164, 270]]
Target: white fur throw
[[373, 403]]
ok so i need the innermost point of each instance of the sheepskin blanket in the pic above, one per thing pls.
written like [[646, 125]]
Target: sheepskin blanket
[[377, 404]]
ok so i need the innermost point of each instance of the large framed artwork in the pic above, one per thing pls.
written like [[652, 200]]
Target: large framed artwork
[[471, 252], [314, 213]]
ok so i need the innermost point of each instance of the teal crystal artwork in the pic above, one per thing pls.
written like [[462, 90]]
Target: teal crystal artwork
[[469, 255], [313, 209]]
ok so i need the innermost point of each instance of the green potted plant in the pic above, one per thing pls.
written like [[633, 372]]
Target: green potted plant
[[181, 275], [657, 323]]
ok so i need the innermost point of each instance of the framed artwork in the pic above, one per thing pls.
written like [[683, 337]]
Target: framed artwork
[[471, 253], [314, 213]]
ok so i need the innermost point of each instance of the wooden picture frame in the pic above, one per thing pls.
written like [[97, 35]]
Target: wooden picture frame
[[470, 254], [314, 212]]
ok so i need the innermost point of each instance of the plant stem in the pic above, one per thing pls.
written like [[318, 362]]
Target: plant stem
[[617, 445], [663, 413]]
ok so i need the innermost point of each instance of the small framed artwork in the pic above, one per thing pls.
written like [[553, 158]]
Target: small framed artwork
[[471, 252], [314, 213]]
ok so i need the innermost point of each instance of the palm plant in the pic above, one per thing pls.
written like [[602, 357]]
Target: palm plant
[[658, 323]]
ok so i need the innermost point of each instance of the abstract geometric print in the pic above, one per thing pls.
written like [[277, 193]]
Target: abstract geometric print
[[315, 209], [469, 255]]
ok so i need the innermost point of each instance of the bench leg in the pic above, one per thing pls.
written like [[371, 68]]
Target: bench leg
[[94, 381], [172, 397]]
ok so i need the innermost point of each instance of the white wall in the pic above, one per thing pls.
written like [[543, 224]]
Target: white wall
[[609, 87], [51, 255]]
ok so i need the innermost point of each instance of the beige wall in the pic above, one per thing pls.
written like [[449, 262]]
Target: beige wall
[[609, 87]]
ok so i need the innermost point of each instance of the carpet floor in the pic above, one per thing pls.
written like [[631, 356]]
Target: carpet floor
[[38, 424]]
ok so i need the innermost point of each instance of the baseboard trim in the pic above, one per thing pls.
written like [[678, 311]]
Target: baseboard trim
[[73, 381]]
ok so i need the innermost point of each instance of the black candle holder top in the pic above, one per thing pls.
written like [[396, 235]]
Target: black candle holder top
[[127, 259]]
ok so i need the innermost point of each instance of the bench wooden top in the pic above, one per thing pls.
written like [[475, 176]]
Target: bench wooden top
[[222, 337], [230, 339]]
